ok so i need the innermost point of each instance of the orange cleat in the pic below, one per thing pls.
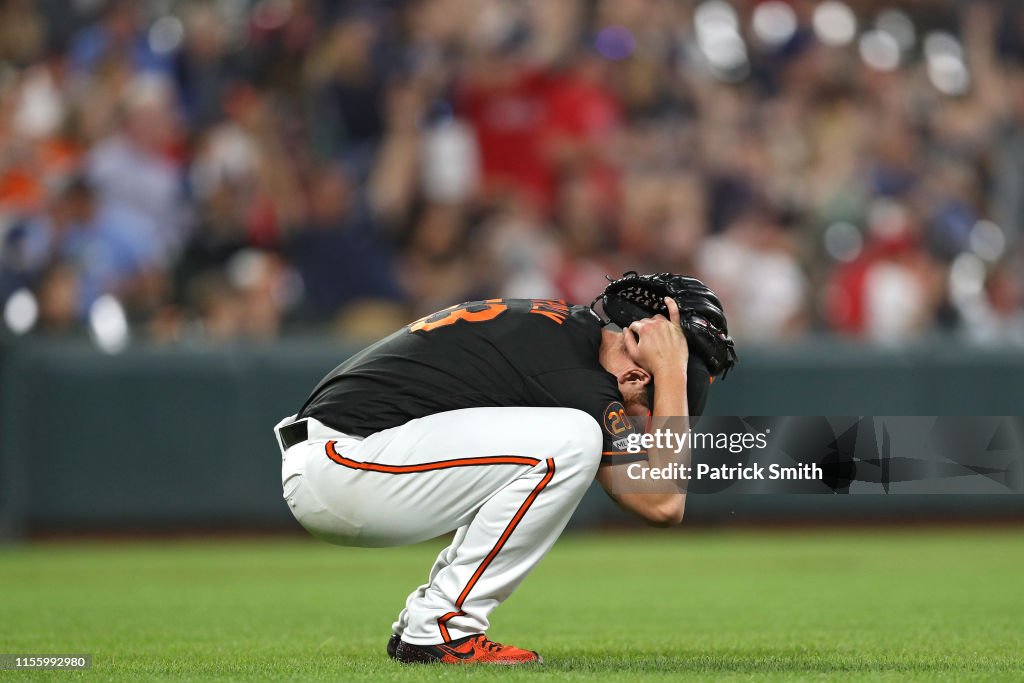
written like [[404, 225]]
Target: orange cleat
[[469, 650]]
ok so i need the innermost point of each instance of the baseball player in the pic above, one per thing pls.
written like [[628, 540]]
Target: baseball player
[[491, 419]]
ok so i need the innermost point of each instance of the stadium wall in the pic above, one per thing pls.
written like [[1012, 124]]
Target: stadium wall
[[169, 439]]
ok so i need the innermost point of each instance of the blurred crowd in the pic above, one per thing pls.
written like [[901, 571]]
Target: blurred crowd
[[206, 171]]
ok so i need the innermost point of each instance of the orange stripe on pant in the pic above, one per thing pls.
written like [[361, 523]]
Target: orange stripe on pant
[[333, 454], [442, 621]]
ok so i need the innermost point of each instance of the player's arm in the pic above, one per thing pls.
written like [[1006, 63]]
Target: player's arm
[[657, 345]]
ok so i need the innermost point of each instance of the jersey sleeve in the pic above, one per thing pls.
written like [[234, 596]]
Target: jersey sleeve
[[595, 394]]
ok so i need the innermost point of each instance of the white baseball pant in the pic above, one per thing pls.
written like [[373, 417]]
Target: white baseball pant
[[506, 480]]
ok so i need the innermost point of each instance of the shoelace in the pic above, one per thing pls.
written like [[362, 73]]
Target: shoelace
[[490, 645]]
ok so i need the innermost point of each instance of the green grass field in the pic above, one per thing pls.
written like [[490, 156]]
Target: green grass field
[[843, 605]]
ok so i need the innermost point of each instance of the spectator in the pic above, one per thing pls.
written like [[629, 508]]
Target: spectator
[[59, 297], [110, 249], [135, 169], [891, 293], [118, 36], [996, 316], [753, 267], [336, 251], [505, 101], [203, 68]]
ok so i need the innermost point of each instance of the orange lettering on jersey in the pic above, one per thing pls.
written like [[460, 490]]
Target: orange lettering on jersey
[[473, 312], [553, 309]]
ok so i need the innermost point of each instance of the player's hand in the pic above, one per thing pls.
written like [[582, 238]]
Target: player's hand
[[657, 344]]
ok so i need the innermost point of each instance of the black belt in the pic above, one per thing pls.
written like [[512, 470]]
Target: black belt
[[296, 432]]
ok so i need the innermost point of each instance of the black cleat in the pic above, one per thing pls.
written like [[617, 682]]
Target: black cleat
[[393, 642]]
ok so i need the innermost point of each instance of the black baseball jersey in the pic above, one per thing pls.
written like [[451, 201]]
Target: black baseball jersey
[[498, 352]]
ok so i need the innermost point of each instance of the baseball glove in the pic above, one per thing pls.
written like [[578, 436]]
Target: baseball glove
[[633, 297]]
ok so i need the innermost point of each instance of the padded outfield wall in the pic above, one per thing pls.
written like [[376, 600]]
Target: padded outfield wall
[[156, 439]]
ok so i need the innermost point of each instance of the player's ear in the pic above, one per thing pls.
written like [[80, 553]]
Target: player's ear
[[637, 376]]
